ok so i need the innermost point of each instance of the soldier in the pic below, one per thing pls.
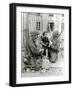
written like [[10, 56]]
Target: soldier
[[54, 48], [34, 52]]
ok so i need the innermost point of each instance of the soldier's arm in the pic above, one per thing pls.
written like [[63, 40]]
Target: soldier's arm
[[56, 46]]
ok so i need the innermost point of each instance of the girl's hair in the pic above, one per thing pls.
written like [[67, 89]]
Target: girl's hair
[[44, 33]]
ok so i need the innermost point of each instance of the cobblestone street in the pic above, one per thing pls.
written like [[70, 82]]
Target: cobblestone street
[[56, 69]]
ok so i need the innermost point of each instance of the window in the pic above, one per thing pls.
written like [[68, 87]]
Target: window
[[38, 25]]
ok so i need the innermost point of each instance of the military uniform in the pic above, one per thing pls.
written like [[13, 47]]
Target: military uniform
[[54, 48], [34, 52]]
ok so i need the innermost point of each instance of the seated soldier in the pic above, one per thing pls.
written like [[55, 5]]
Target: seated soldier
[[34, 52]]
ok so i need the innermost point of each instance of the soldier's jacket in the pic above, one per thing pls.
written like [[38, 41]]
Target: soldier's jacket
[[55, 44], [33, 50], [54, 49]]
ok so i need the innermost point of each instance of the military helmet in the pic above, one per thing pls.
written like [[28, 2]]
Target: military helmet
[[34, 33], [55, 34]]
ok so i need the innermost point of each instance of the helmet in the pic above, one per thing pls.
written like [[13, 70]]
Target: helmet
[[34, 33], [55, 34]]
